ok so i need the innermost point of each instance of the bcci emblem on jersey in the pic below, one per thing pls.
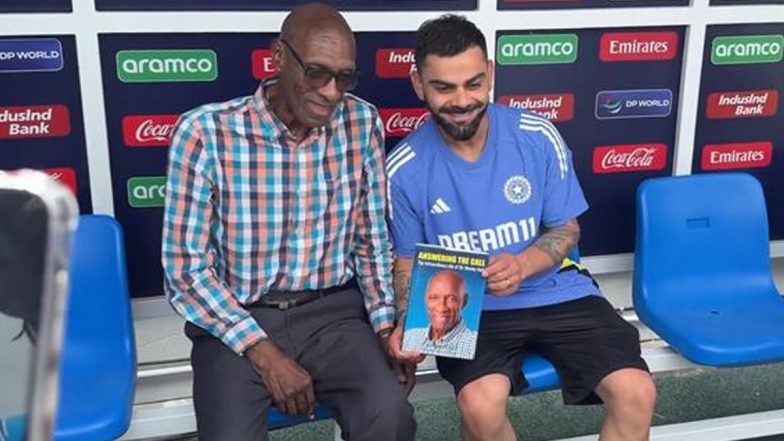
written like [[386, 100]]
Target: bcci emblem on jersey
[[517, 190]]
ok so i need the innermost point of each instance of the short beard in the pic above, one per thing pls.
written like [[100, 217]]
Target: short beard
[[462, 132]]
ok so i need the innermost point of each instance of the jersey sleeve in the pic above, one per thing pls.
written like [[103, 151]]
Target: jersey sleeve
[[563, 198], [406, 226]]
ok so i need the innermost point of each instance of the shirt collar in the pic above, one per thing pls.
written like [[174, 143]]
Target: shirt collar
[[451, 335]]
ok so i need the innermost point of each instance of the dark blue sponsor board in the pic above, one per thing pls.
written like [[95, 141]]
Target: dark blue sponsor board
[[56, 89], [31, 55], [243, 5], [574, 4], [752, 76], [143, 225], [641, 103], [745, 2], [35, 6], [608, 226]]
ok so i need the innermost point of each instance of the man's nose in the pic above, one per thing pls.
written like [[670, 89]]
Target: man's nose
[[462, 98], [331, 91]]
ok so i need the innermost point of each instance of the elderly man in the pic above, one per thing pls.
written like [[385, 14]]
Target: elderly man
[[276, 249], [447, 335]]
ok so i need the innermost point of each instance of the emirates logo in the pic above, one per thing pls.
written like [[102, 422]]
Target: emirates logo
[[633, 157], [401, 122]]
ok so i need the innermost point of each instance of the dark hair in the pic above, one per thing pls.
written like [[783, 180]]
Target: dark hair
[[447, 36]]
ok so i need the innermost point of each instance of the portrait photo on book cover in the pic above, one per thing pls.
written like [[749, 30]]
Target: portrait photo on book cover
[[444, 310]]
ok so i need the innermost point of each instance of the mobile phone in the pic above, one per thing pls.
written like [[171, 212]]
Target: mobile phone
[[38, 217]]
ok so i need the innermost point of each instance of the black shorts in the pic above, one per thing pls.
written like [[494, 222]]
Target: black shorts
[[585, 339]]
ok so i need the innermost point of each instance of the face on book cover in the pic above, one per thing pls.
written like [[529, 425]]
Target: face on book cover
[[445, 298]]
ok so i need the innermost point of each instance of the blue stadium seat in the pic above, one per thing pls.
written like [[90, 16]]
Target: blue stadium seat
[[278, 420], [702, 276], [98, 366], [538, 371]]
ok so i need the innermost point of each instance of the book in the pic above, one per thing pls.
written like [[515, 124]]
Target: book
[[444, 301]]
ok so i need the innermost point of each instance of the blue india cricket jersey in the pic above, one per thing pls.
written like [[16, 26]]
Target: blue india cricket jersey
[[523, 181]]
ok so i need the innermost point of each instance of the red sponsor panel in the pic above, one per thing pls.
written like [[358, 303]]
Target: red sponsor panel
[[402, 121], [736, 155], [742, 104], [394, 62], [629, 157], [557, 107], [41, 121], [261, 62], [65, 175], [148, 130], [638, 46]]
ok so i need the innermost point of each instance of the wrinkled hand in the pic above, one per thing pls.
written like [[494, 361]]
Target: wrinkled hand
[[504, 274], [290, 386], [403, 363]]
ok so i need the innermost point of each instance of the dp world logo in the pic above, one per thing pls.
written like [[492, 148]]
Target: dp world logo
[[151, 66], [638, 103]]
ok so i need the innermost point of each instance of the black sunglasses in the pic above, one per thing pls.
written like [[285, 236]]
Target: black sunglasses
[[319, 76]]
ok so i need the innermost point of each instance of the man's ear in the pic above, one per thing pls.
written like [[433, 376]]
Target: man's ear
[[465, 300], [276, 48], [416, 82]]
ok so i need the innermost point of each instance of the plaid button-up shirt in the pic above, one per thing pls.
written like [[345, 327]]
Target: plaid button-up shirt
[[250, 209]]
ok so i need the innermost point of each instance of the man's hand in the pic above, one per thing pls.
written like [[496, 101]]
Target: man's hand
[[403, 363], [504, 274], [289, 384]]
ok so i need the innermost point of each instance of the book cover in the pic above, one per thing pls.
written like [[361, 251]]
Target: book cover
[[444, 302]]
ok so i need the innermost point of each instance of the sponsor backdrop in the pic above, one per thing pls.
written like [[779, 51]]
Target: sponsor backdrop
[[41, 111], [35, 6], [619, 120], [147, 84], [570, 4], [614, 92], [233, 5], [740, 121]]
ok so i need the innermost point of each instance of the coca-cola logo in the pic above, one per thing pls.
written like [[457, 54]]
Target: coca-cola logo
[[65, 175], [148, 130], [400, 122], [629, 157]]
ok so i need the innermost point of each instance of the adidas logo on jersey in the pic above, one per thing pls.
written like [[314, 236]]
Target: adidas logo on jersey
[[440, 207]]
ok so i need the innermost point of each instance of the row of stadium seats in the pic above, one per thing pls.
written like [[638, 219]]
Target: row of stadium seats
[[702, 282]]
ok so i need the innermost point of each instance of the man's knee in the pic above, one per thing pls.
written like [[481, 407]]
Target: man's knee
[[382, 417], [483, 405], [630, 391]]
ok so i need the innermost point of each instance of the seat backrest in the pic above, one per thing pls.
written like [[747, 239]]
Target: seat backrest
[[99, 311], [707, 234]]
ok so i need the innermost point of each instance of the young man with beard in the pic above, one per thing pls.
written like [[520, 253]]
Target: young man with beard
[[276, 249], [508, 179]]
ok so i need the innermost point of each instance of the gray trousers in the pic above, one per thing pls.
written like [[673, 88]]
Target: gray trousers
[[331, 339]]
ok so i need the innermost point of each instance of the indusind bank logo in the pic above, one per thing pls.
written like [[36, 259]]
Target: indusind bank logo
[[163, 65], [394, 62]]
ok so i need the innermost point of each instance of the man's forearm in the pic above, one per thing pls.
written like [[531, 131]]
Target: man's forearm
[[551, 248], [401, 282]]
